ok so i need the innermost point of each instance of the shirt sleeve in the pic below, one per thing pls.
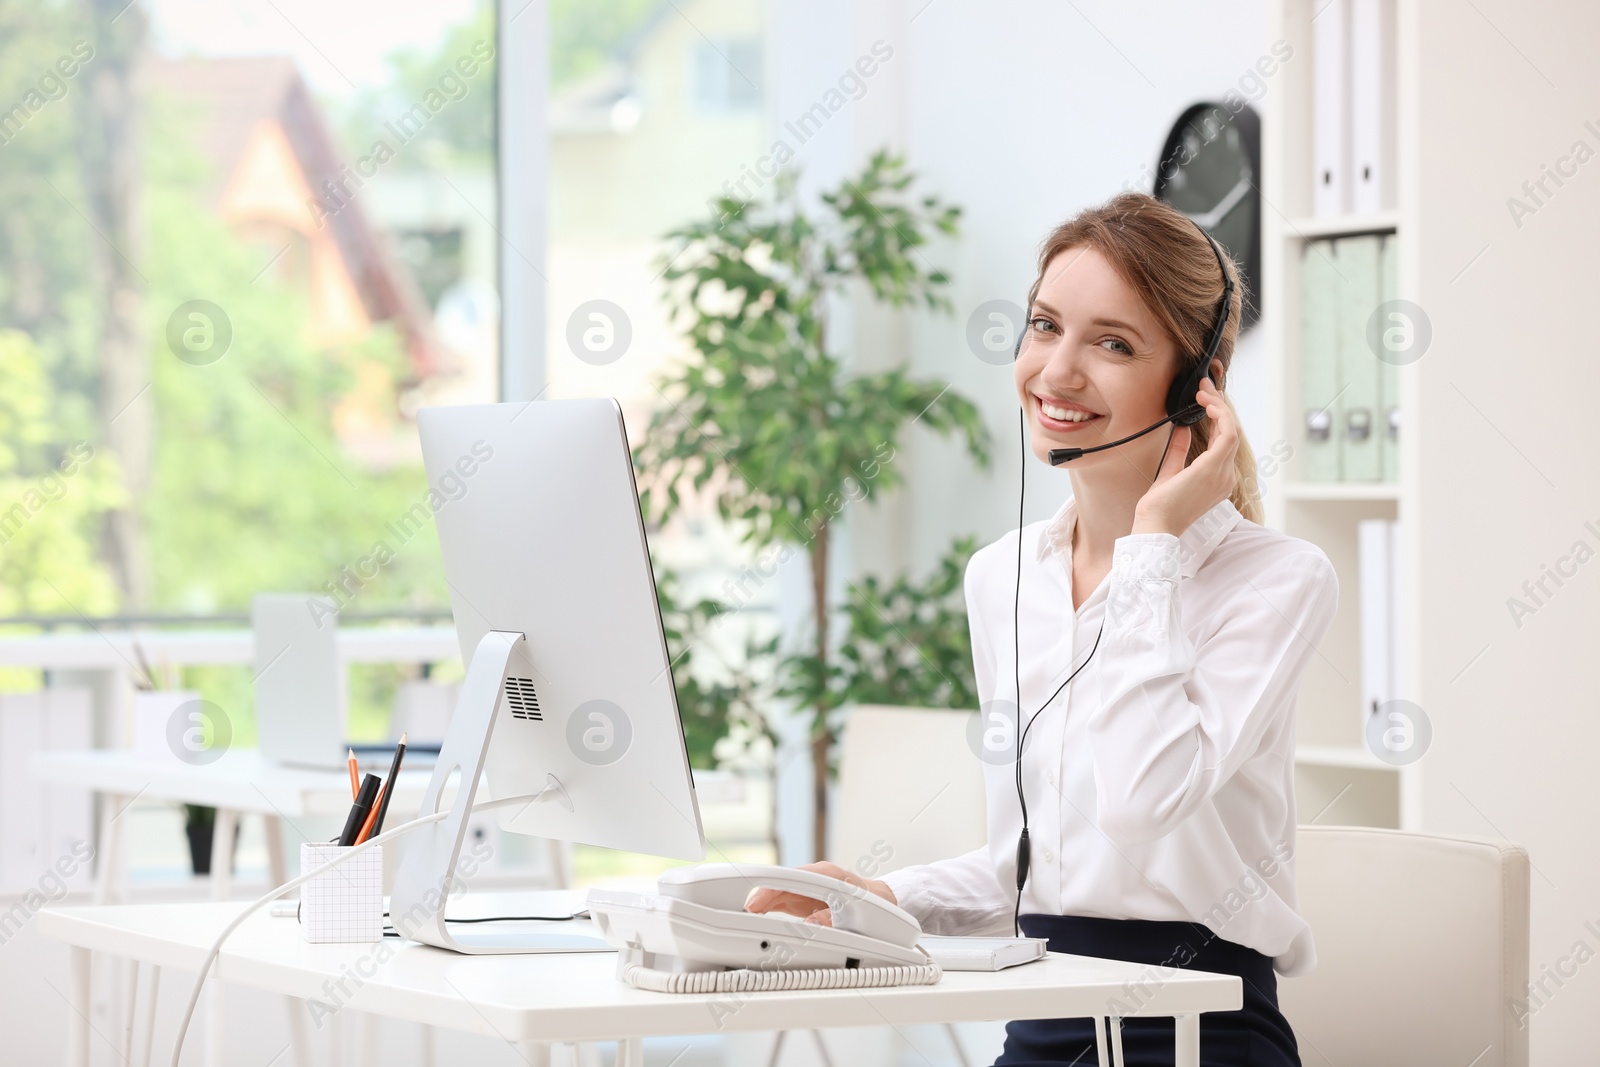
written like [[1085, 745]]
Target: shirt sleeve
[[1174, 722], [964, 894], [959, 896]]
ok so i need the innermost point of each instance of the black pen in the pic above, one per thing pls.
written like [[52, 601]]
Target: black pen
[[393, 783], [359, 810]]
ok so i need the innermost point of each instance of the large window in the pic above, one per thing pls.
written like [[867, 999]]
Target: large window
[[242, 244], [245, 242]]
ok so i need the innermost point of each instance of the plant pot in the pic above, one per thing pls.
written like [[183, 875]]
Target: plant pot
[[201, 835], [152, 717]]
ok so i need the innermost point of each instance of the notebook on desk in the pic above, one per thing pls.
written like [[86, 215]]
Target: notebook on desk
[[982, 953]]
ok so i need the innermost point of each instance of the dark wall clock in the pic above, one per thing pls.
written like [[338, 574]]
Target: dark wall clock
[[1210, 169]]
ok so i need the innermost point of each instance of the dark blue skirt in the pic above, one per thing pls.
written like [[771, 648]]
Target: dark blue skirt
[[1257, 1035]]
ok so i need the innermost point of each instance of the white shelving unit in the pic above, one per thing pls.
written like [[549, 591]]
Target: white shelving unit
[[1310, 227], [1337, 779], [1497, 478]]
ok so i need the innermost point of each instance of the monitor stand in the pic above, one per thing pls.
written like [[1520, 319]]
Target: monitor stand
[[425, 879]]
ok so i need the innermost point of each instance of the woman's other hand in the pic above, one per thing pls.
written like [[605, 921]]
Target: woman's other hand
[[810, 908]]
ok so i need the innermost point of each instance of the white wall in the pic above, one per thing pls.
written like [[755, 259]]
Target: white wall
[[1505, 464]]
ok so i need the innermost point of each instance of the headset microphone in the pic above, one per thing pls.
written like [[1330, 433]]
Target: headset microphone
[[1181, 411]]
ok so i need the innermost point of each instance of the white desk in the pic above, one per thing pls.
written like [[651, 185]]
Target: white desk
[[536, 1000], [241, 781]]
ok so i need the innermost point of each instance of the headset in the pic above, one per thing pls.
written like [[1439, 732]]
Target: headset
[[1181, 411]]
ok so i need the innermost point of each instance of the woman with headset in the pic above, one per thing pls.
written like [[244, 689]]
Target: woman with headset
[[1153, 635]]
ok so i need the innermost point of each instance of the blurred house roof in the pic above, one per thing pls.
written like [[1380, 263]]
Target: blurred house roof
[[246, 98]]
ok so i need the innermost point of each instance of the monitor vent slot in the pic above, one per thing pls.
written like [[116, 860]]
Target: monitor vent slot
[[523, 700]]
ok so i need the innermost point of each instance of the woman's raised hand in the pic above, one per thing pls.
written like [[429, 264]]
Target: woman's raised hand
[[1181, 494]]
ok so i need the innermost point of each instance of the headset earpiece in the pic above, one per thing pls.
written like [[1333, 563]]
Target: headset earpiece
[[1180, 398], [1180, 401]]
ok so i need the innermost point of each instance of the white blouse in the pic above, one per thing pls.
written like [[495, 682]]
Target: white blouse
[[1160, 782]]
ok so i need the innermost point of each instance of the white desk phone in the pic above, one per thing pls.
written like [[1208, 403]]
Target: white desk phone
[[695, 921]]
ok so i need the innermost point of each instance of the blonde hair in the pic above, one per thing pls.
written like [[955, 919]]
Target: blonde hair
[[1168, 262]]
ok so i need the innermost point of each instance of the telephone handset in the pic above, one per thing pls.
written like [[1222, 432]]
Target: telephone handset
[[695, 920], [727, 886]]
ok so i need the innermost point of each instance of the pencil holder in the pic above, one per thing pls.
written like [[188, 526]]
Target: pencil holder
[[346, 903]]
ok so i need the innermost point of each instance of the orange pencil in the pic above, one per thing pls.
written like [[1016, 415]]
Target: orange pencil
[[366, 827], [355, 782]]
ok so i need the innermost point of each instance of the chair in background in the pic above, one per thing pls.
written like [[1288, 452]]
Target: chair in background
[[910, 791], [422, 708], [1422, 950]]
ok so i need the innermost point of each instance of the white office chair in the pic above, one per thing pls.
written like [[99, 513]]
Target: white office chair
[[910, 791], [909, 784], [1422, 950]]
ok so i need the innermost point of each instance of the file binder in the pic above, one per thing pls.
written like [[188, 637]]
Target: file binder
[[1372, 105], [1322, 406], [1330, 55], [1377, 636], [1388, 373], [1358, 432]]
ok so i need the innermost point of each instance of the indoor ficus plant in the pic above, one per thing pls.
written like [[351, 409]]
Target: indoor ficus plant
[[768, 411]]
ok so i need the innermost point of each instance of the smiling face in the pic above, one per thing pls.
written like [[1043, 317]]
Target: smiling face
[[1095, 365]]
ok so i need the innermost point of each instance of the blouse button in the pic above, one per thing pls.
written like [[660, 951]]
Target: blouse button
[[1126, 559], [1050, 776], [1049, 857]]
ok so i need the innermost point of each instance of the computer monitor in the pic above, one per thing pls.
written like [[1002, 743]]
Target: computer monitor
[[569, 687]]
